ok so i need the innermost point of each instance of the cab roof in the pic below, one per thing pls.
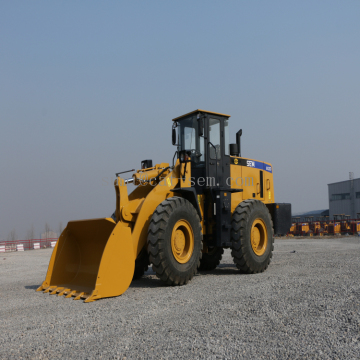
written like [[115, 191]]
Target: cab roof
[[199, 110]]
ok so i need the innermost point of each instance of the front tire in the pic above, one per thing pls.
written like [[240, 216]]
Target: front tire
[[175, 241], [252, 236]]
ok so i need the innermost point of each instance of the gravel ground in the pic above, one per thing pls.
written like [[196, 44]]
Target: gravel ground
[[306, 305]]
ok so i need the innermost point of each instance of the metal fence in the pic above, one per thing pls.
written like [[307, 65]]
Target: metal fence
[[33, 244]]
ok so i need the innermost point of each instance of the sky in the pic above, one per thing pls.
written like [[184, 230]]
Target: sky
[[89, 88]]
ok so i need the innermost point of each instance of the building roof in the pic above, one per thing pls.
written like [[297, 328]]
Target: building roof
[[199, 110], [344, 181], [324, 212]]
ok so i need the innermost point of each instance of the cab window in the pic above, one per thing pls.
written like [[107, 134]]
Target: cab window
[[227, 137], [189, 139], [214, 137]]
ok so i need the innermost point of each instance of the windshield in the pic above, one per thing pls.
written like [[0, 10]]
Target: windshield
[[189, 139]]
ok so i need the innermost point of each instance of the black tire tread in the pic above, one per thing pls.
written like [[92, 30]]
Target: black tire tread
[[157, 257], [238, 224]]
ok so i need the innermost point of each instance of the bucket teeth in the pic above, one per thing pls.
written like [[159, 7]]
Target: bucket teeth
[[50, 288], [78, 297], [56, 290], [70, 294], [88, 298], [91, 297], [63, 292]]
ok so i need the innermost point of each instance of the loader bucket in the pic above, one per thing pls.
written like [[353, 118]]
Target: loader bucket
[[92, 259]]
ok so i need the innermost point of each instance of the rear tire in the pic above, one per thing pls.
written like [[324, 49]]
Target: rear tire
[[252, 236], [175, 241], [211, 259]]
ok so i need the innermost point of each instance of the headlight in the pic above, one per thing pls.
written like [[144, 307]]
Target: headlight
[[182, 157]]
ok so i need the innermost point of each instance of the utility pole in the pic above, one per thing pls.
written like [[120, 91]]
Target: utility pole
[[352, 195]]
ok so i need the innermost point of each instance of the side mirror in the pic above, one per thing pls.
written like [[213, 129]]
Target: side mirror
[[200, 127], [173, 136]]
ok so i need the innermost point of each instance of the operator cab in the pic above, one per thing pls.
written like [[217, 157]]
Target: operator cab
[[203, 136]]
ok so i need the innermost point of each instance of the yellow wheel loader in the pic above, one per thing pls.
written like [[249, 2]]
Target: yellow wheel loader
[[179, 218]]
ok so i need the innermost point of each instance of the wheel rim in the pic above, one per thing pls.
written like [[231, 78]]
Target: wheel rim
[[182, 241], [259, 237]]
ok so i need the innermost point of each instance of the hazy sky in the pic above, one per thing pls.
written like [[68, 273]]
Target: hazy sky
[[89, 88]]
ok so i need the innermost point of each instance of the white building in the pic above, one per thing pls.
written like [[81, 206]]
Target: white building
[[344, 198]]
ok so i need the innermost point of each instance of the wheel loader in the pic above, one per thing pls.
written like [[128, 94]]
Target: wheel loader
[[179, 218]]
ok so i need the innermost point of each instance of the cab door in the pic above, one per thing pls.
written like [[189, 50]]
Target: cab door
[[217, 159]]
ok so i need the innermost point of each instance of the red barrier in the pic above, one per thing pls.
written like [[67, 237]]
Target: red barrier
[[28, 244]]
